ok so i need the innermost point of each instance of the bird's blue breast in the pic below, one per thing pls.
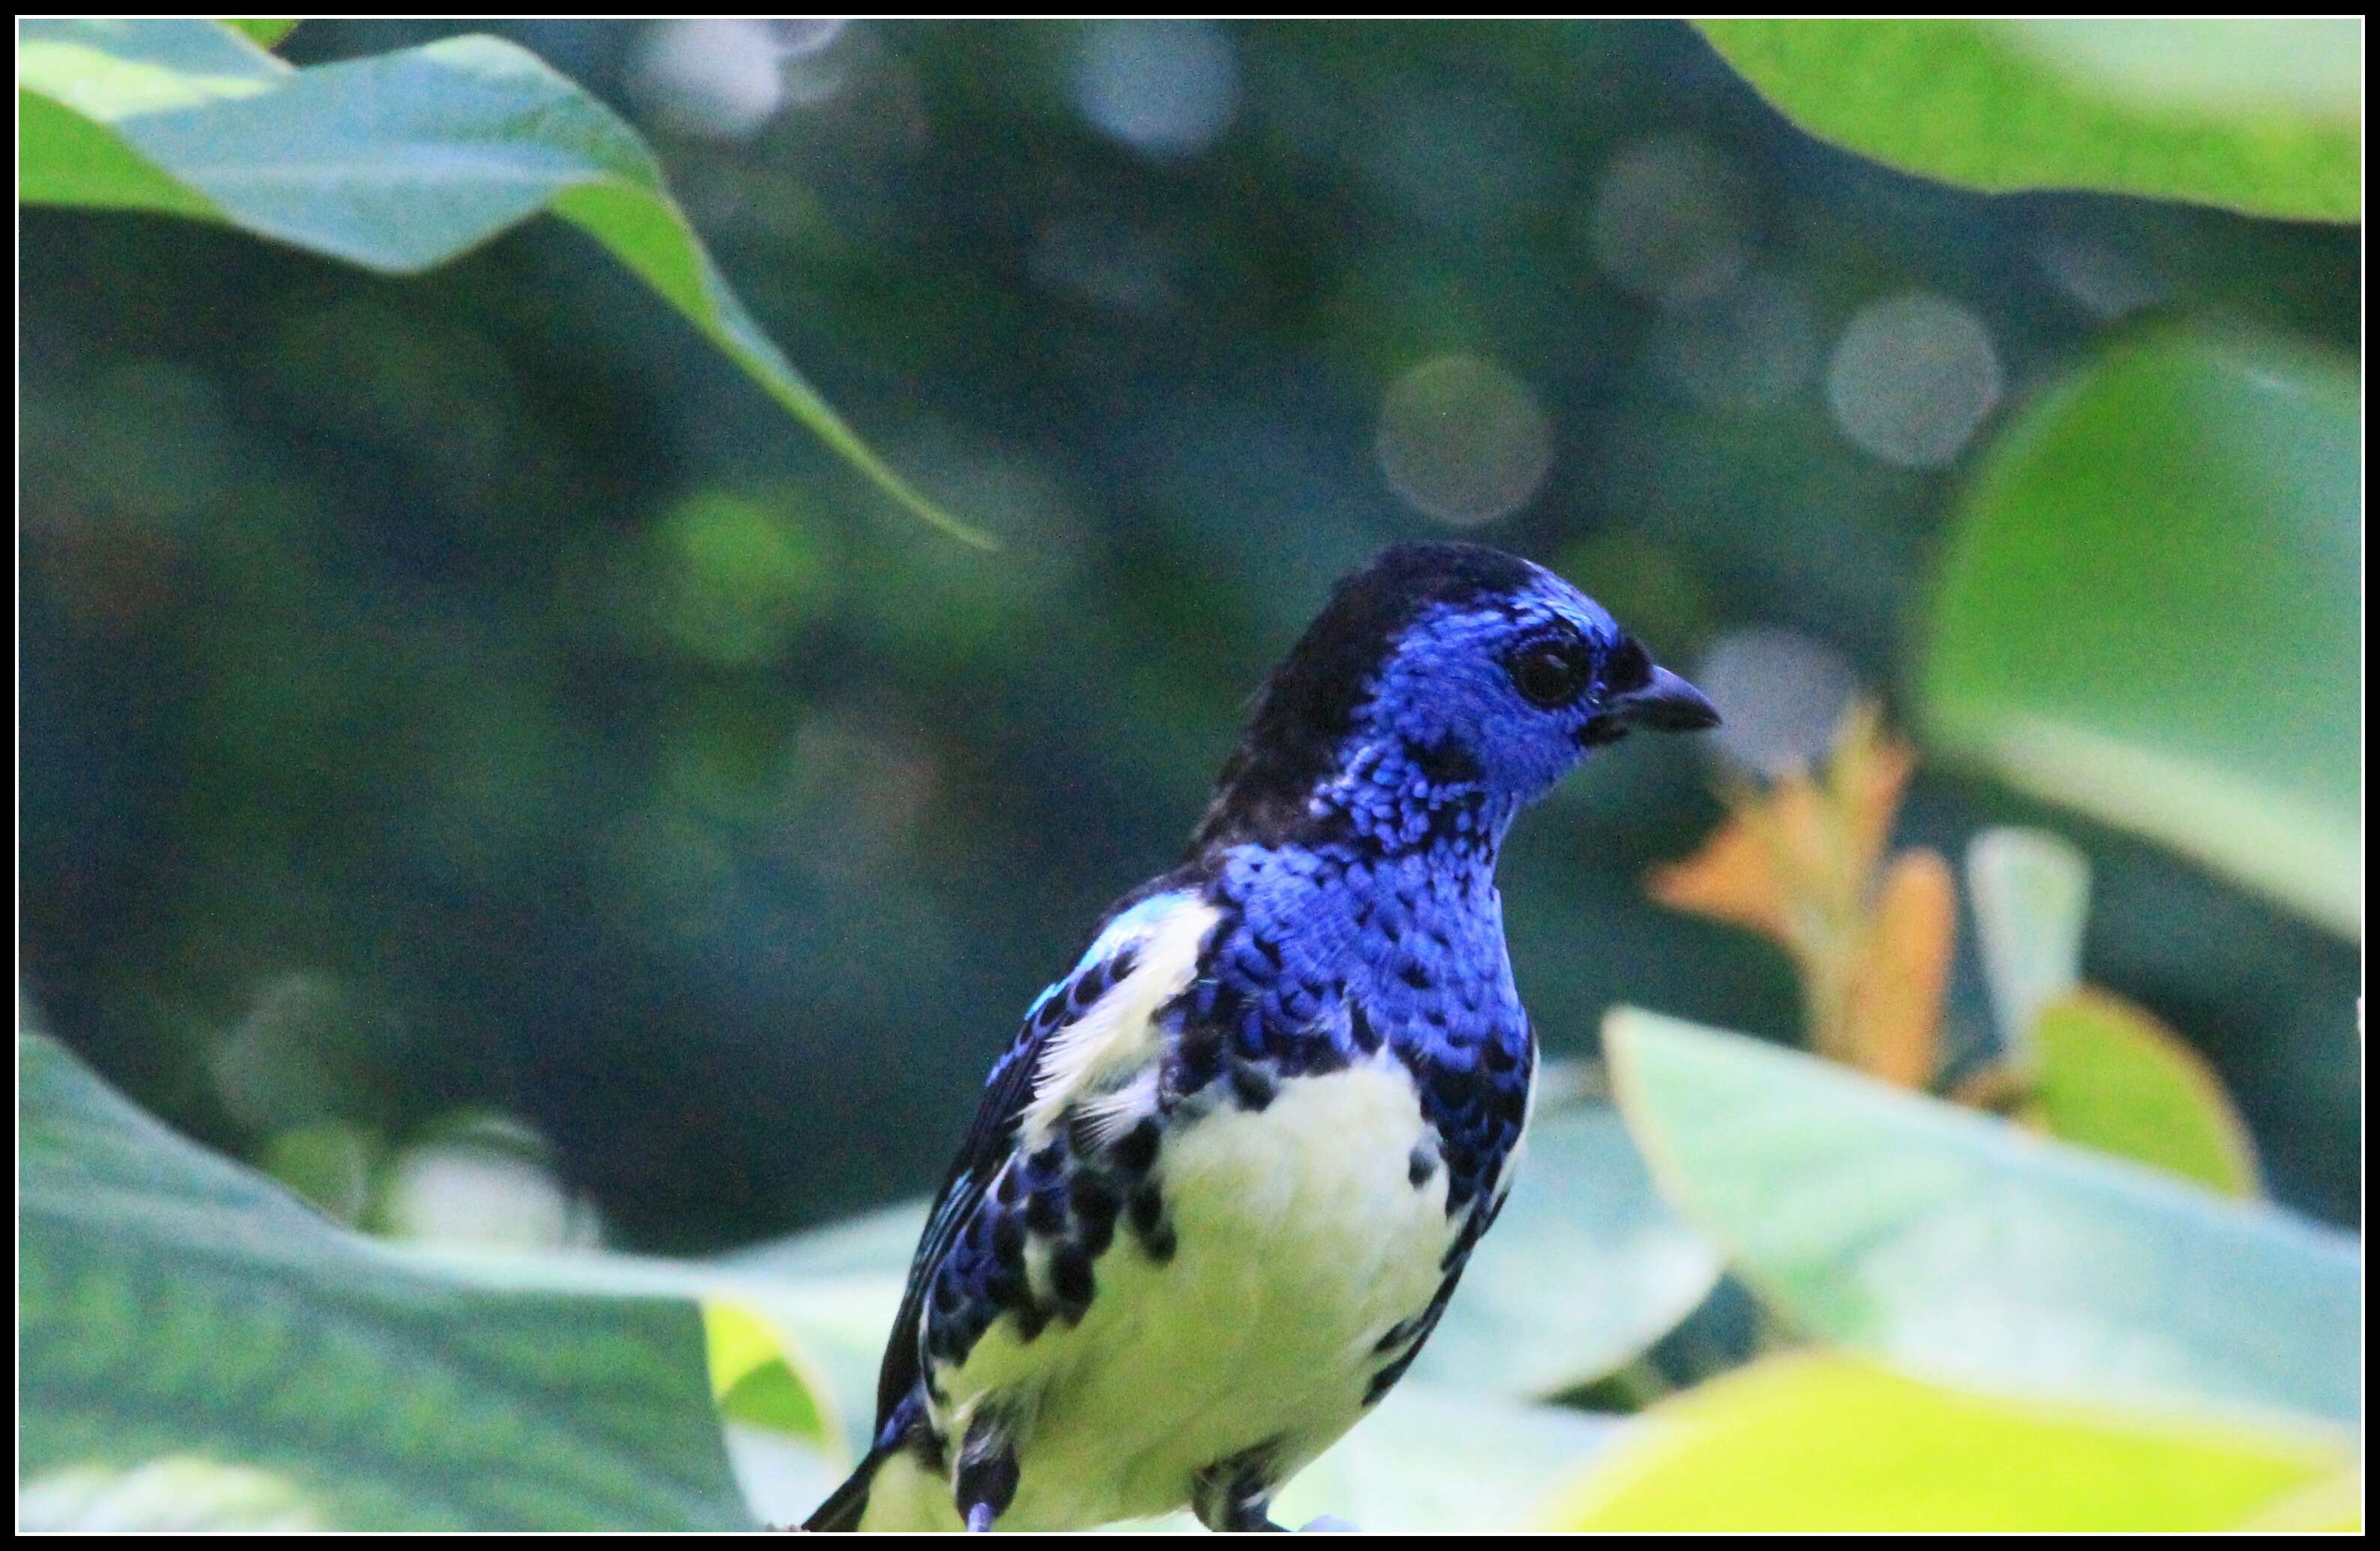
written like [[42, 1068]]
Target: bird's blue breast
[[1268, 1115], [1307, 960], [1328, 954]]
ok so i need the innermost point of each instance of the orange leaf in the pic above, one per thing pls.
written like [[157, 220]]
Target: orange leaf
[[1893, 1004], [1802, 847], [1731, 879], [1865, 777]]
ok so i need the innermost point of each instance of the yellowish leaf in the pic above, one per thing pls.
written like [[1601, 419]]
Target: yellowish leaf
[[1819, 1443], [2333, 1505]]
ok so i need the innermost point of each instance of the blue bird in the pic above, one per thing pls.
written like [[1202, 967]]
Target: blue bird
[[1222, 1183]]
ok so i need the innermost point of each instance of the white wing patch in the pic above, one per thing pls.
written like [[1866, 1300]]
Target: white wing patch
[[1097, 1060]]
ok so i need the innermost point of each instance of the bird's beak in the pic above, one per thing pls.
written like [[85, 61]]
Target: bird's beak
[[1666, 704]]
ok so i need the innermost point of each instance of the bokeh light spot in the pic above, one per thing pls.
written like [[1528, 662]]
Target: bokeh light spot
[[1783, 694], [1912, 378], [484, 1180], [714, 77], [1166, 88], [311, 1047], [1464, 440], [728, 578], [1667, 219]]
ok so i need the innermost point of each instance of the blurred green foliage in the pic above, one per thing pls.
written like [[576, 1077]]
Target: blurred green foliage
[[2150, 610], [2113, 1079], [479, 767], [395, 162], [2253, 114], [369, 626], [192, 1333]]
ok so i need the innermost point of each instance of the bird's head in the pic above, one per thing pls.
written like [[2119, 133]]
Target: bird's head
[[1440, 676]]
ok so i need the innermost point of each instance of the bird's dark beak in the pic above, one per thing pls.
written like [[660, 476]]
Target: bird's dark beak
[[1663, 703], [1666, 704]]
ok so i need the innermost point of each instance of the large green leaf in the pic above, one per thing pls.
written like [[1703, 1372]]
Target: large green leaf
[[1816, 1444], [2150, 610], [1961, 1247], [833, 1323], [2259, 115], [265, 31], [182, 1319], [396, 163], [877, 1244]]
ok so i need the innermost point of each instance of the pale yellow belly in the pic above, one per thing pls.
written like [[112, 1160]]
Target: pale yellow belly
[[1302, 1239]]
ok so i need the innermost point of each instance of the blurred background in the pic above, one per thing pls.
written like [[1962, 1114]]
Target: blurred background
[[477, 749]]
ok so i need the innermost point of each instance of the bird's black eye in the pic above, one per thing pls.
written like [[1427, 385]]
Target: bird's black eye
[[1551, 673]]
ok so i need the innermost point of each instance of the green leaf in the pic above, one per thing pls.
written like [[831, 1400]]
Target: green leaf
[[2032, 891], [2110, 1077], [1962, 1247], [396, 162], [1815, 1444], [2150, 610], [2256, 115], [180, 1312], [264, 32], [835, 1289], [757, 1377]]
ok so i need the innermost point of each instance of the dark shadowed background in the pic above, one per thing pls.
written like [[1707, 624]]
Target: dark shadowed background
[[468, 694]]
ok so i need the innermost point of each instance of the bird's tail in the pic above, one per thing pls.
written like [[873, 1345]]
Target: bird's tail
[[844, 1506]]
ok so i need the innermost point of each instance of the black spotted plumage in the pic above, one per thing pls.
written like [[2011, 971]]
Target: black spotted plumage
[[980, 1159]]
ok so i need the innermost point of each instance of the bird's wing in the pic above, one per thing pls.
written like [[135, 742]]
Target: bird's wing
[[1077, 1033]]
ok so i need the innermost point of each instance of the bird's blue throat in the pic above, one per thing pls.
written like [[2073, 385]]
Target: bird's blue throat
[[1385, 929], [1359, 911]]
